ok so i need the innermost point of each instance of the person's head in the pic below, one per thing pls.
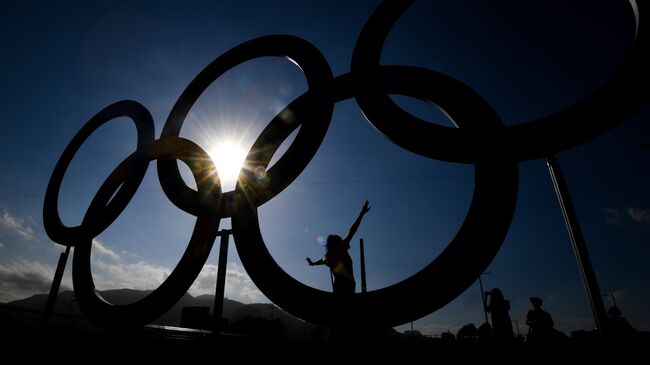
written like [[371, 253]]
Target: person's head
[[536, 302], [614, 312], [334, 241], [496, 294]]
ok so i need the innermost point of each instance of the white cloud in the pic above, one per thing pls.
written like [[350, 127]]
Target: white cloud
[[146, 276], [639, 215], [613, 216], [16, 226], [617, 216], [239, 285], [100, 249], [117, 275], [22, 278]]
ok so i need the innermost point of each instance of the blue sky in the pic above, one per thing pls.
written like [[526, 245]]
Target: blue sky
[[62, 63]]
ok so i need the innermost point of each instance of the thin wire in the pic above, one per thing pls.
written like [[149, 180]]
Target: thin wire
[[298, 183]]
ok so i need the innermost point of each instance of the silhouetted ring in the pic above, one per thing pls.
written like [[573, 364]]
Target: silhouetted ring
[[469, 253], [101, 218], [188, 268], [477, 141], [317, 72], [624, 94]]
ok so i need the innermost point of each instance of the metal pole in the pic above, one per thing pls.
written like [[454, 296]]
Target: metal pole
[[611, 295], [364, 287], [56, 284], [221, 282], [480, 283], [517, 326], [72, 300], [578, 242]]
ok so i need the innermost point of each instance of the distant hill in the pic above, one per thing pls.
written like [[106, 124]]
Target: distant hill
[[232, 310]]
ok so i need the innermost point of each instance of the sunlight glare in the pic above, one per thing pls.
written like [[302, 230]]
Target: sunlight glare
[[228, 157]]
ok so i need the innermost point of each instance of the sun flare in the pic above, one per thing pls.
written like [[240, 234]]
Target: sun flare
[[228, 157]]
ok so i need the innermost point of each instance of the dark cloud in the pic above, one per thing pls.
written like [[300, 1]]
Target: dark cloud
[[19, 279]]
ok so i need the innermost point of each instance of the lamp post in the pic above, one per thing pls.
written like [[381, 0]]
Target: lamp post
[[611, 295], [480, 283], [517, 327]]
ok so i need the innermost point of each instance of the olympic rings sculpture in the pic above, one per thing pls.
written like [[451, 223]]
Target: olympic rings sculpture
[[481, 139]]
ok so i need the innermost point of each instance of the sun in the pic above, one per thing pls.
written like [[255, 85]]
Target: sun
[[228, 157]]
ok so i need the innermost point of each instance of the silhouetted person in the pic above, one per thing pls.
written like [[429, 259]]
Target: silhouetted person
[[540, 323], [619, 329], [484, 333], [467, 334], [338, 259], [499, 307]]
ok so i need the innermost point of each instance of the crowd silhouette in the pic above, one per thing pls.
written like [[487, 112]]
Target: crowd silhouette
[[541, 327]]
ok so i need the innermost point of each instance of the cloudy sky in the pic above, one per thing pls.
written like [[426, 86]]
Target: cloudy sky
[[62, 63]]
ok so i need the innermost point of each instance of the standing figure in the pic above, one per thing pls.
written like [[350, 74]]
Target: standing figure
[[498, 307], [338, 259], [540, 323], [619, 330]]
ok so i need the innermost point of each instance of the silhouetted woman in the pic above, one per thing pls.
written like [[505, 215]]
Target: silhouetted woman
[[499, 307], [338, 259]]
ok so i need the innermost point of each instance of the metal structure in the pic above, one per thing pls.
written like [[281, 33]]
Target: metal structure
[[611, 296], [217, 312], [56, 284], [483, 301], [480, 139], [362, 259], [578, 243]]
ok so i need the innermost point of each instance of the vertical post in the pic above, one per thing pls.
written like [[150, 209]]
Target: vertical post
[[578, 242], [72, 300], [611, 296], [364, 287], [517, 326], [56, 284], [480, 283], [221, 282]]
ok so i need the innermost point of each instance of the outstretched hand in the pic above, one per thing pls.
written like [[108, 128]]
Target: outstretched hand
[[310, 262], [366, 207]]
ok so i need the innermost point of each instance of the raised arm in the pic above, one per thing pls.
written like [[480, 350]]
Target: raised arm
[[355, 226], [317, 262]]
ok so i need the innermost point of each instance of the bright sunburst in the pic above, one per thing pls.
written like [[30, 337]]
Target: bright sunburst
[[228, 157]]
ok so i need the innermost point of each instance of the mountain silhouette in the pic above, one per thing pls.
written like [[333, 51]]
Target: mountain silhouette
[[233, 311]]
